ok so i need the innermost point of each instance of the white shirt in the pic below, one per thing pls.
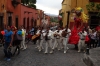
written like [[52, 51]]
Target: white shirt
[[69, 32], [38, 32], [83, 35], [24, 33]]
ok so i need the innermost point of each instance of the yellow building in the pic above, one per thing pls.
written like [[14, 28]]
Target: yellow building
[[69, 5]]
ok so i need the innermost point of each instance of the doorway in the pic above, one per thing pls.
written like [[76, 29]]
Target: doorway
[[16, 20], [24, 22], [28, 23], [10, 21], [1, 22], [32, 23], [35, 24], [94, 20]]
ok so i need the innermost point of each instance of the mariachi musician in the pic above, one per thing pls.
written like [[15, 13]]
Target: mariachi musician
[[65, 34], [48, 41]]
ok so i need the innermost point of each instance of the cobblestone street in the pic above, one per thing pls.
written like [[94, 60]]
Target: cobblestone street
[[32, 57]]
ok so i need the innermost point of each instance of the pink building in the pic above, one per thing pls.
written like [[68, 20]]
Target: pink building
[[18, 14]]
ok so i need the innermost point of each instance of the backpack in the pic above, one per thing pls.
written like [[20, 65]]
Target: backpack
[[18, 37]]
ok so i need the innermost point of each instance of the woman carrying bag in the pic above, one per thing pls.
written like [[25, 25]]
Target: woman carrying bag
[[17, 41]]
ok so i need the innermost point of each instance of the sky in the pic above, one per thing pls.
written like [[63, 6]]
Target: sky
[[49, 6]]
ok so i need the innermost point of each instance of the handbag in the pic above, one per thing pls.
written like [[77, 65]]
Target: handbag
[[18, 37]]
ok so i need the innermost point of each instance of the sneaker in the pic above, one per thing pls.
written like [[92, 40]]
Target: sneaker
[[40, 50], [51, 52], [64, 51], [8, 59], [45, 53], [79, 51]]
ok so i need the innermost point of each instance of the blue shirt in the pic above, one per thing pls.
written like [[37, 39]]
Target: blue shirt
[[8, 36]]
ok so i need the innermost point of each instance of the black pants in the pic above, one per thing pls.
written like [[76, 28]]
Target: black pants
[[17, 44], [96, 43], [92, 42], [7, 50]]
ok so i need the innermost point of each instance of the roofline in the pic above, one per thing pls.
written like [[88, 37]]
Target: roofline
[[62, 1]]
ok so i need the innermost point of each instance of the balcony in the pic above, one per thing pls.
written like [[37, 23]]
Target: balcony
[[15, 2]]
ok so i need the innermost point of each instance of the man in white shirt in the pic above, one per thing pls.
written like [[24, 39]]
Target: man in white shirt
[[65, 35], [81, 42], [42, 40], [23, 45], [48, 41], [58, 39], [38, 38]]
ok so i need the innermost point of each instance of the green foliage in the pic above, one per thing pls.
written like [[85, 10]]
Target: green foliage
[[54, 19], [32, 5], [98, 7], [28, 1], [33, 1], [93, 7], [92, 4]]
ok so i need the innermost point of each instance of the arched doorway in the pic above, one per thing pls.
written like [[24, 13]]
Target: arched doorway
[[24, 22], [32, 24], [28, 23], [16, 21]]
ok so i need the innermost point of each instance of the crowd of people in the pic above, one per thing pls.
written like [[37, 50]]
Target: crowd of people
[[48, 39], [12, 37]]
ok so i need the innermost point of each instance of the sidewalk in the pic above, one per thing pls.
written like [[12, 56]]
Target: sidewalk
[[94, 58]]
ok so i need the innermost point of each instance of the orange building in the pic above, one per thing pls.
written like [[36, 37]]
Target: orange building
[[40, 17], [14, 13], [2, 13]]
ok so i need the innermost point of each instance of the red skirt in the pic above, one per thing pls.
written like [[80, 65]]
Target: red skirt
[[73, 39]]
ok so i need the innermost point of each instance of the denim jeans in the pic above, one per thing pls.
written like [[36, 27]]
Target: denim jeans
[[7, 50], [99, 43]]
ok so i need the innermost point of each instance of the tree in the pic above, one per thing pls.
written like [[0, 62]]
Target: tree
[[93, 7], [30, 3], [33, 1]]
